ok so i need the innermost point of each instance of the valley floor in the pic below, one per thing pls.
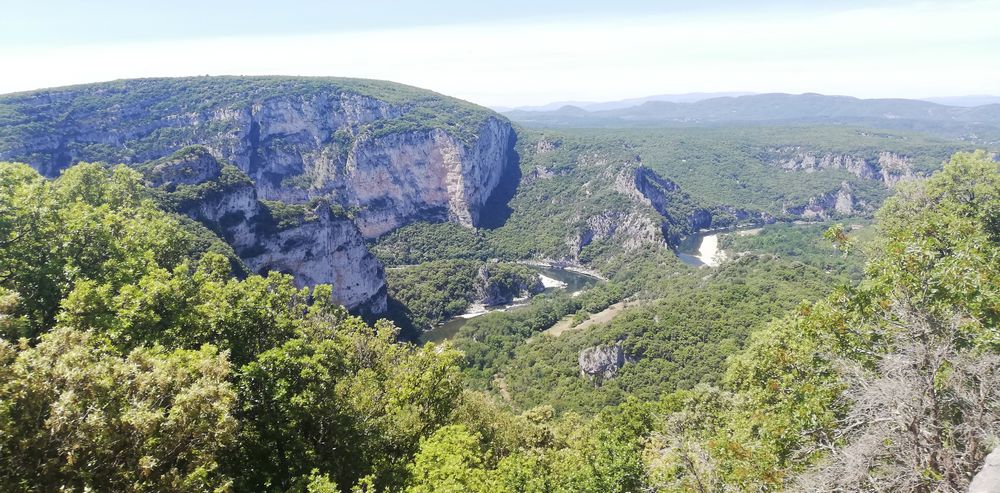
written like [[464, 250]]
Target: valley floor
[[602, 317]]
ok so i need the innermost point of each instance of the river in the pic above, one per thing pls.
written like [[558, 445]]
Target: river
[[553, 278]]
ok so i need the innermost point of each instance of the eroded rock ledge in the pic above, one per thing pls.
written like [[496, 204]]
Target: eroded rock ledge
[[315, 243]]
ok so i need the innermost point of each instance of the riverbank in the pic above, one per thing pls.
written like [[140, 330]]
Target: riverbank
[[702, 249], [553, 278], [564, 265]]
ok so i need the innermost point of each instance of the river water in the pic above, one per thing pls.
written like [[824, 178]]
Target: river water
[[568, 280]]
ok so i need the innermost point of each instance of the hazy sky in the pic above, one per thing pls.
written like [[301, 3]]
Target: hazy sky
[[519, 52]]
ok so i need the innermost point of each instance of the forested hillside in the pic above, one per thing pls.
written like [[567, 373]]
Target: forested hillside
[[133, 360], [239, 295]]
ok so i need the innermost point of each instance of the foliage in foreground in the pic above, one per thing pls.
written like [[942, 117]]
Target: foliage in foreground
[[131, 360], [889, 385]]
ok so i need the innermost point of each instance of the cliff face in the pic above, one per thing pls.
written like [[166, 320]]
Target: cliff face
[[681, 216], [601, 363], [887, 167], [632, 230], [298, 148], [394, 153], [383, 154], [497, 290], [838, 202], [424, 174], [317, 246], [326, 250]]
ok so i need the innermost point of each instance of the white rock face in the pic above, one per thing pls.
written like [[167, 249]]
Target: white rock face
[[988, 478], [841, 201], [198, 167], [894, 168], [845, 200], [390, 154], [889, 167], [394, 160], [400, 177], [600, 363], [300, 148], [327, 251], [632, 229]]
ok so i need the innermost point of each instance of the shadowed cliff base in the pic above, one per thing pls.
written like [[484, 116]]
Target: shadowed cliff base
[[496, 210]]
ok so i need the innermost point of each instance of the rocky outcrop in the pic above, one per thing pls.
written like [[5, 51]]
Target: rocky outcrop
[[397, 178], [681, 216], [391, 179], [387, 153], [652, 188], [493, 289], [190, 166], [987, 480], [546, 145], [326, 250], [392, 153], [699, 219], [844, 202], [894, 168], [601, 363], [323, 247], [838, 202], [887, 167], [631, 230]]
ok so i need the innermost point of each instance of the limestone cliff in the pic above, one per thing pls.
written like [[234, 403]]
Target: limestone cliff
[[601, 363], [325, 249], [631, 230], [838, 202], [497, 288], [314, 243], [430, 174], [887, 167], [393, 153], [681, 215], [338, 160]]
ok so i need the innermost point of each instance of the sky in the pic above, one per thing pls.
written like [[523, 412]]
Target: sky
[[519, 52]]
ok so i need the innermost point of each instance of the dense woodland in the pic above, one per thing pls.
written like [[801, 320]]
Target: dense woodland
[[853, 348], [138, 356]]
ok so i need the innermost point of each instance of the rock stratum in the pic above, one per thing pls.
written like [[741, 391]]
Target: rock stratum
[[360, 158]]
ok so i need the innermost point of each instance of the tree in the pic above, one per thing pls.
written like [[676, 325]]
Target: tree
[[923, 420], [345, 398], [449, 461], [887, 385], [921, 353], [75, 415]]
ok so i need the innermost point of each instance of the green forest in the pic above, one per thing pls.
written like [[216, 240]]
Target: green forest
[[631, 246], [138, 354]]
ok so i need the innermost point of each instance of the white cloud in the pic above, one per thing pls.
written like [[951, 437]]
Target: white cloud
[[907, 51]]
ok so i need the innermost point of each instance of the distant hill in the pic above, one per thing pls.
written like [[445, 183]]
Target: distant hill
[[973, 100], [784, 109], [690, 97]]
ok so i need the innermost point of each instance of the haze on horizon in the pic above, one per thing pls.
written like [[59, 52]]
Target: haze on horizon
[[519, 52]]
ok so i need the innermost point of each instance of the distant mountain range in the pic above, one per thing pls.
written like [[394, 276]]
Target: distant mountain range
[[689, 97], [975, 100], [778, 108]]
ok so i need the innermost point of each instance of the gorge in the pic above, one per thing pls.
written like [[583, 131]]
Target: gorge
[[389, 154]]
